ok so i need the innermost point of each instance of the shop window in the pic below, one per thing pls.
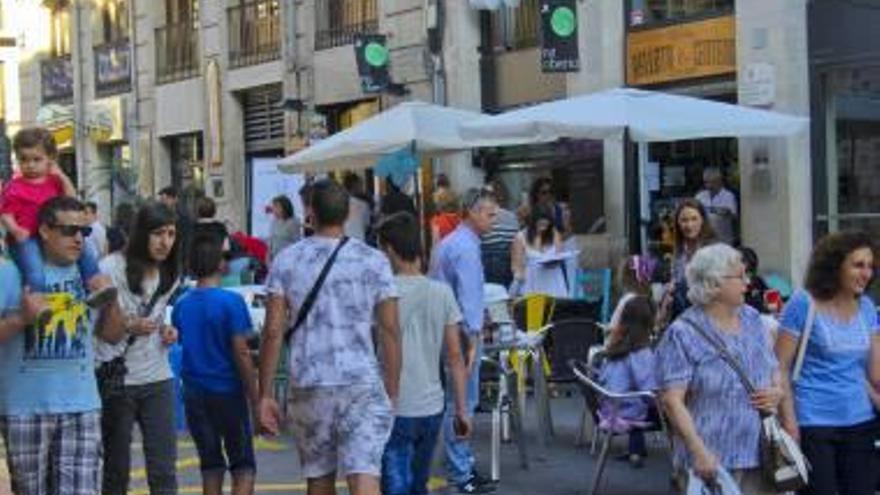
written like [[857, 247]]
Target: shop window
[[516, 28], [187, 160], [648, 12]]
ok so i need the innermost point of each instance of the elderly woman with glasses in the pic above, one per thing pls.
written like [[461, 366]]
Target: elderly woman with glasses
[[714, 417]]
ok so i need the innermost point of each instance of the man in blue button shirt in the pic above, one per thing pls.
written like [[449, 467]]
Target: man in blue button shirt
[[458, 262]]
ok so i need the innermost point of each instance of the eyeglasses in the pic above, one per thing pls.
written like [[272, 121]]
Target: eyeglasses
[[744, 278], [72, 230]]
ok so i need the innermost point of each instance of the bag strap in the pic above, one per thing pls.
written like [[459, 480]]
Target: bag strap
[[804, 340], [145, 311], [725, 355], [309, 300]]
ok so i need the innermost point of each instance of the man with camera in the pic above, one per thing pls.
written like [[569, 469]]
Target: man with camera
[[49, 406]]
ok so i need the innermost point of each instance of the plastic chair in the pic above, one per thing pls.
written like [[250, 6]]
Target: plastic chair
[[594, 286], [531, 313], [595, 395]]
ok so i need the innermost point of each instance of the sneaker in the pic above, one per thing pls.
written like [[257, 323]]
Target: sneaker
[[479, 479], [102, 297], [471, 486]]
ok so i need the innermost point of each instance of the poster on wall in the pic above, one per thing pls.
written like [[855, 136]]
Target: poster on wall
[[268, 182]]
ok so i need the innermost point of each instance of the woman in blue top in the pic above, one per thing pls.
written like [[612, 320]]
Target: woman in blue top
[[712, 413], [832, 413]]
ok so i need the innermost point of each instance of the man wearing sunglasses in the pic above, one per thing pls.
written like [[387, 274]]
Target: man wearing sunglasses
[[49, 406]]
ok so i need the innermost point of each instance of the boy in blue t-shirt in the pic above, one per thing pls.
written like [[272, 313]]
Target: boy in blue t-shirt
[[217, 371]]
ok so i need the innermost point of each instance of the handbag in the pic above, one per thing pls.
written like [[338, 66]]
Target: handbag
[[110, 375], [309, 300], [783, 464]]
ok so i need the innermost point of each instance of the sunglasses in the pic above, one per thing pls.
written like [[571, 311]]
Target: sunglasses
[[72, 230]]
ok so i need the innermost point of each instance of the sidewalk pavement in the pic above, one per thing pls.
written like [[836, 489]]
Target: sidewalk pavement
[[560, 469]]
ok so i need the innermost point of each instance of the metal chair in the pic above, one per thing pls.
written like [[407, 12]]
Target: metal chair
[[594, 395], [566, 340], [506, 414]]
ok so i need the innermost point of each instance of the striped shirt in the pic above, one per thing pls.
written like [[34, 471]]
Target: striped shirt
[[716, 398]]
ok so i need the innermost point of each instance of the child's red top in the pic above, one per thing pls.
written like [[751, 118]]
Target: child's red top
[[23, 199]]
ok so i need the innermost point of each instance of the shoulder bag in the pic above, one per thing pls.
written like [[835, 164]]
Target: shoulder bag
[[804, 340], [783, 464], [309, 300], [110, 375]]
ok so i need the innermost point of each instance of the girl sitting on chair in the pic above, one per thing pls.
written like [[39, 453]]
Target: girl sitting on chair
[[628, 366]]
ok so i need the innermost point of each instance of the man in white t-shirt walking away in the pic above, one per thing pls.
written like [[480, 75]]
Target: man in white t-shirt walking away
[[720, 204], [341, 399]]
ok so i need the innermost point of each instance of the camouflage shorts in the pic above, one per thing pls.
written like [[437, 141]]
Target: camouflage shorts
[[341, 429]]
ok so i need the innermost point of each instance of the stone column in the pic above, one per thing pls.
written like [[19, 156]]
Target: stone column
[[775, 173], [460, 46]]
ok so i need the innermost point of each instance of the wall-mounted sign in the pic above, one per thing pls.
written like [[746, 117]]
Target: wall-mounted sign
[[559, 36], [56, 79], [757, 86], [371, 53], [113, 68], [684, 51]]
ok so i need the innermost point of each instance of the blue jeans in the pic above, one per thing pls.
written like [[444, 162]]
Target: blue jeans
[[406, 463], [459, 455], [28, 256]]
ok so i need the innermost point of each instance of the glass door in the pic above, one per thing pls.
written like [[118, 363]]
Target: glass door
[[853, 161]]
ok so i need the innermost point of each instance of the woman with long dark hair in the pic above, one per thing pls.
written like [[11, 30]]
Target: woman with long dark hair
[[830, 404], [531, 273], [147, 273], [692, 232]]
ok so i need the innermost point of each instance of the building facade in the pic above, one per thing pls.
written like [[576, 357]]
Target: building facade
[[198, 93]]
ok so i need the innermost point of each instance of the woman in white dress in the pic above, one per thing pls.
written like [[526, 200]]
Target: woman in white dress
[[532, 247]]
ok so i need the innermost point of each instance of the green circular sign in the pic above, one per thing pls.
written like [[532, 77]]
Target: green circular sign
[[563, 22], [376, 54]]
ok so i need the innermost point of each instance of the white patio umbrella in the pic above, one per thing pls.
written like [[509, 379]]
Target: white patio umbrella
[[430, 130], [648, 115]]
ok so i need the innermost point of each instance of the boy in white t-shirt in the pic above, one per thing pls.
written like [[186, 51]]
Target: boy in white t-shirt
[[429, 323]]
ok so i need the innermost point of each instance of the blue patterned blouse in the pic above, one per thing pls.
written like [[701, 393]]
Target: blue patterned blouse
[[716, 398]]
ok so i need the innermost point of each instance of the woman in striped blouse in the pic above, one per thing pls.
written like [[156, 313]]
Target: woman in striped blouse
[[714, 417]]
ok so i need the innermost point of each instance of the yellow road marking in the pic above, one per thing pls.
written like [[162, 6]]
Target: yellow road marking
[[182, 464], [433, 484], [260, 443]]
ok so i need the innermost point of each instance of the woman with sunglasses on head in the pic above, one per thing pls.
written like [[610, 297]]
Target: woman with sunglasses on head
[[147, 274], [531, 274], [829, 404]]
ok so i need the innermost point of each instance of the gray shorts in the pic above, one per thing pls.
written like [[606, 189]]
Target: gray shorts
[[341, 429]]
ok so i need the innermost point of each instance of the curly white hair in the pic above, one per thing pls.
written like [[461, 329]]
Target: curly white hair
[[706, 271]]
